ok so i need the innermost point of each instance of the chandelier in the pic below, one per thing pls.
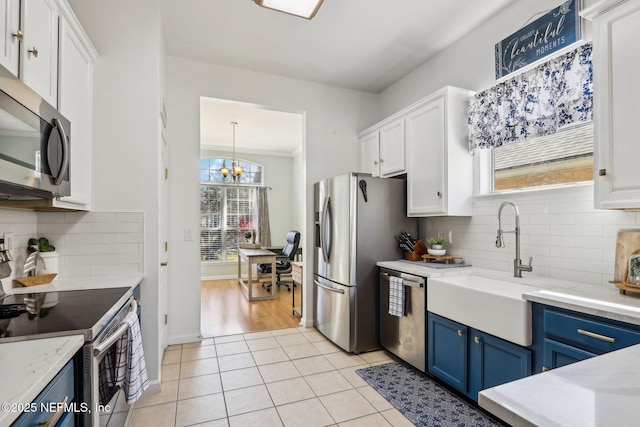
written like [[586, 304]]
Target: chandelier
[[236, 169]]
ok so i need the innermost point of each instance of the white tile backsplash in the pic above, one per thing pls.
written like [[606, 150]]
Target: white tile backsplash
[[95, 243], [567, 237]]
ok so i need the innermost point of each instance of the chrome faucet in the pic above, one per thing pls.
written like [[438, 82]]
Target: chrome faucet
[[518, 267]]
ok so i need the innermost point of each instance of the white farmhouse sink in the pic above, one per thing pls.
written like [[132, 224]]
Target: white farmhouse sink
[[491, 305]]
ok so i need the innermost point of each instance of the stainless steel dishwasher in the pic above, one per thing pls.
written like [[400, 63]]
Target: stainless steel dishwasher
[[405, 336]]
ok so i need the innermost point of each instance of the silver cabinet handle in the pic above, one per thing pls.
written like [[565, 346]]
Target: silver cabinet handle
[[34, 52], [329, 288], [18, 34], [459, 332], [596, 336], [476, 340]]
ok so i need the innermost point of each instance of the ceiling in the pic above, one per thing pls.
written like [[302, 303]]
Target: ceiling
[[363, 45], [259, 129]]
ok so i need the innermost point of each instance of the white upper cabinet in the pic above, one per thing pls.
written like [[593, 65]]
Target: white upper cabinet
[[10, 35], [439, 166], [75, 102], [39, 52], [370, 153], [392, 148], [616, 109], [381, 148]]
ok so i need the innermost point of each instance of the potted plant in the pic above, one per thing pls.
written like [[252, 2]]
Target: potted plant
[[436, 246], [47, 262]]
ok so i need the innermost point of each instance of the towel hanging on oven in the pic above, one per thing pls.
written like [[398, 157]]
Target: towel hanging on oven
[[396, 296], [124, 365]]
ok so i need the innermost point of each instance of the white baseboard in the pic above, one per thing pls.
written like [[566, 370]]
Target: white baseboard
[[307, 323], [154, 387], [223, 277], [184, 339]]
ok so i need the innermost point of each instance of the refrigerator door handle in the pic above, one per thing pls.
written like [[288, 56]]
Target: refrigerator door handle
[[329, 288], [323, 230]]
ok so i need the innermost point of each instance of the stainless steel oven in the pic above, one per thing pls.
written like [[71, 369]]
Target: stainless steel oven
[[109, 407], [95, 313]]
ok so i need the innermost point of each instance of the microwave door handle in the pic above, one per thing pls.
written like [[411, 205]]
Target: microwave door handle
[[65, 152]]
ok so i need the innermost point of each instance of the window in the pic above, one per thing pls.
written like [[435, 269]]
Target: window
[[562, 158], [227, 209]]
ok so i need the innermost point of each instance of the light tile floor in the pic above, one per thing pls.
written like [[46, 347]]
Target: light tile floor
[[285, 377]]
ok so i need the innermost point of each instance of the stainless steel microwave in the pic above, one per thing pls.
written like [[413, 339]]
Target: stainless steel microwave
[[34, 146]]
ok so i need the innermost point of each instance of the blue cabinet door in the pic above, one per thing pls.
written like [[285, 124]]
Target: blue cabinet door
[[447, 351], [494, 361], [557, 354]]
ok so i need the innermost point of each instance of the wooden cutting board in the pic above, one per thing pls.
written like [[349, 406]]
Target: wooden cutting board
[[36, 280], [628, 242]]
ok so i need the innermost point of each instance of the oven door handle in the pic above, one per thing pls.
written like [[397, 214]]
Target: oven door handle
[[101, 348]]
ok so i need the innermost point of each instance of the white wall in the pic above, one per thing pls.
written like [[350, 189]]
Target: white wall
[[333, 118], [468, 63], [125, 172], [297, 194], [566, 236], [278, 174]]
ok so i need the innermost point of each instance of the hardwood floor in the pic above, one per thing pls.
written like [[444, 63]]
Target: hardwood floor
[[226, 311]]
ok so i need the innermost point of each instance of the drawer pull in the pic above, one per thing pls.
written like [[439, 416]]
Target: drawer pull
[[51, 421], [596, 336]]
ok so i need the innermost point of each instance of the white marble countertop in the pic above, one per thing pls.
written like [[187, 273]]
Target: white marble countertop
[[602, 391], [80, 283], [28, 366]]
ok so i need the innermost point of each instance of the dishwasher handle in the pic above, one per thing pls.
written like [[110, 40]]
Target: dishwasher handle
[[414, 281]]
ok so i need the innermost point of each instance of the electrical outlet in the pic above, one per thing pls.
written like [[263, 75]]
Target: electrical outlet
[[8, 241], [450, 236], [187, 235]]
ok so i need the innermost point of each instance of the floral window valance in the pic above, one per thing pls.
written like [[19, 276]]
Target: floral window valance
[[536, 103]]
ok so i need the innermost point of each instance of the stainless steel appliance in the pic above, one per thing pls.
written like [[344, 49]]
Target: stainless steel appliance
[[97, 314], [34, 146], [356, 220], [405, 336]]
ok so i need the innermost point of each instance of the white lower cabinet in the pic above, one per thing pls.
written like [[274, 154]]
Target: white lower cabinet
[[439, 166], [616, 109]]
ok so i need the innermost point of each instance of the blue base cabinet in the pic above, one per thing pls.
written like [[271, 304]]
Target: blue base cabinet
[[447, 351], [471, 360], [60, 390], [494, 361], [564, 336]]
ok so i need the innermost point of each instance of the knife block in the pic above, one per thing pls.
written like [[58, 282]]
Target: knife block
[[418, 250]]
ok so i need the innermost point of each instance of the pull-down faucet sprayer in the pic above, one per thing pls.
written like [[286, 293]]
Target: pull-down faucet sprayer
[[518, 267]]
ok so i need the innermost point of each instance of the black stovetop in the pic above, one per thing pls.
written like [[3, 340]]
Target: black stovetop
[[51, 314]]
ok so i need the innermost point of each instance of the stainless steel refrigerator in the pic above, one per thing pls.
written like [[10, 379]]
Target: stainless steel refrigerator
[[357, 218]]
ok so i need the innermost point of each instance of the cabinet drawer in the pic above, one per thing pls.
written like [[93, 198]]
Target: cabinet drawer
[[592, 335], [59, 389]]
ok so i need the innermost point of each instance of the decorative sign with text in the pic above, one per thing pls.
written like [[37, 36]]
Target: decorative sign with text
[[553, 31]]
